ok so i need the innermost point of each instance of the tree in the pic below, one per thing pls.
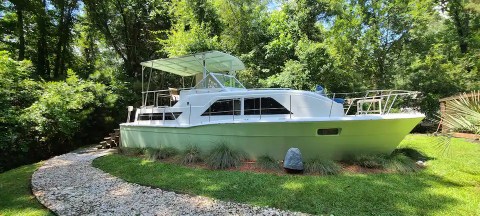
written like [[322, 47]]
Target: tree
[[128, 27]]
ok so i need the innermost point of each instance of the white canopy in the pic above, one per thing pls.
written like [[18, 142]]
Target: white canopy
[[189, 65]]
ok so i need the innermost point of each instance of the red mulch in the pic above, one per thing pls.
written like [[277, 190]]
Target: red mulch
[[250, 166]]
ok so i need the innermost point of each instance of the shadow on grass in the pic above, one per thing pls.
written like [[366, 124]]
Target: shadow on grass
[[16, 197], [348, 194], [413, 154]]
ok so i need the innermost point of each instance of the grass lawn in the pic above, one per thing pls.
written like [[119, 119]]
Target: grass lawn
[[16, 197], [449, 186]]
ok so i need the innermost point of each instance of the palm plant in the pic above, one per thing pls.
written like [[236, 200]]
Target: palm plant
[[463, 114]]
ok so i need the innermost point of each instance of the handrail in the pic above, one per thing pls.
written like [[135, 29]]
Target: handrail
[[374, 96]]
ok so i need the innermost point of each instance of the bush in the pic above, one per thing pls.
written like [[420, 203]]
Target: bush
[[267, 162], [39, 119], [322, 166], [191, 155], [222, 157]]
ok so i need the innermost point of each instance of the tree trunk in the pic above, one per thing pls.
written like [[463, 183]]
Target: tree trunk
[[21, 33], [65, 24], [43, 65]]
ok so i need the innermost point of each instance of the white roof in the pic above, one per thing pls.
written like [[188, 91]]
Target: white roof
[[193, 64]]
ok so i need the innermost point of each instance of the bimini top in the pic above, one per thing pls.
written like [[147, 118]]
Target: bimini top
[[189, 65]]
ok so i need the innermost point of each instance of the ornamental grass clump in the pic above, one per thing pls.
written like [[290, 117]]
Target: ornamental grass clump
[[160, 154], [150, 154], [166, 152], [191, 155], [130, 151], [222, 157], [371, 161], [322, 167], [402, 164], [267, 162]]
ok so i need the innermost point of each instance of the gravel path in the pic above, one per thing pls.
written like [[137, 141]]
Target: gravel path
[[69, 185]]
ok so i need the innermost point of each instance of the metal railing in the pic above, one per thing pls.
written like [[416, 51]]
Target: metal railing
[[372, 101], [159, 96], [355, 103]]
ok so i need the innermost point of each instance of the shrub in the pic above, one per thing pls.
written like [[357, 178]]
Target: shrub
[[322, 166], [131, 151], [222, 157], [191, 155], [267, 162]]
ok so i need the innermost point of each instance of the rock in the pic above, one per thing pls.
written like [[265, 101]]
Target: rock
[[421, 163], [293, 159]]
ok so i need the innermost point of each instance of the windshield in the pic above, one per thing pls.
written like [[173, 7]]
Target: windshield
[[228, 81], [214, 80]]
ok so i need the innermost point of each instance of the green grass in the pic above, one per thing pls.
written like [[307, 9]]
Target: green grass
[[449, 186], [16, 197]]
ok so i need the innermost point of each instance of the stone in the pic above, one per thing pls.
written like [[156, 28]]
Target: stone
[[421, 163], [293, 159]]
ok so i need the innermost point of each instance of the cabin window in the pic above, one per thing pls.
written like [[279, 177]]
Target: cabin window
[[269, 106], [328, 131], [159, 116], [224, 107]]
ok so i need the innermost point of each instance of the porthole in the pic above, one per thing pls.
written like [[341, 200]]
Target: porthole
[[328, 131]]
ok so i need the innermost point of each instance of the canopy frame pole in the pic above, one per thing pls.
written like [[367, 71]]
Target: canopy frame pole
[[143, 96], [148, 85], [204, 69], [231, 71]]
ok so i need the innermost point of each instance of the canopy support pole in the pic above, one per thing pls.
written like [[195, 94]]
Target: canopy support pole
[[204, 69], [143, 96]]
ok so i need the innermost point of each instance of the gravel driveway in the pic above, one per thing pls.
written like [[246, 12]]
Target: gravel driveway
[[69, 185]]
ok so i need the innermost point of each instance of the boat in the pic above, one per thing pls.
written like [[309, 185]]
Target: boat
[[219, 110]]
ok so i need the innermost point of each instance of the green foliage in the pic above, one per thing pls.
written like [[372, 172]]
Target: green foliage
[[223, 157], [17, 91], [40, 119], [191, 155], [267, 162], [64, 111], [322, 167]]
